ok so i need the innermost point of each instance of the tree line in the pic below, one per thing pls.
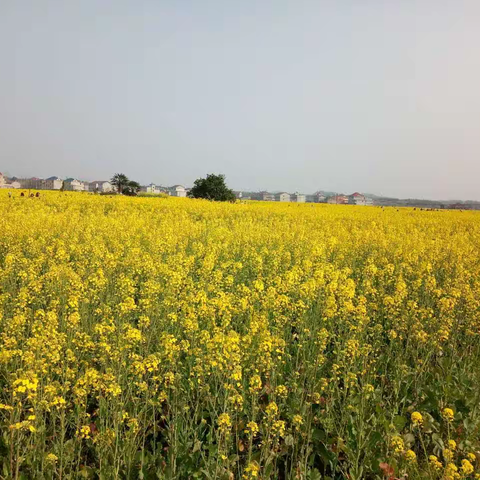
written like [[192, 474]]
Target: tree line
[[213, 187]]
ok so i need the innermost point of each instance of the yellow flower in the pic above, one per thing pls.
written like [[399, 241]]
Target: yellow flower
[[252, 429], [271, 409], [397, 444], [51, 458], [281, 391], [434, 462], [224, 422], [85, 432], [467, 467], [278, 428], [410, 456], [417, 419], [251, 471], [255, 384], [447, 414], [447, 454], [471, 456], [268, 312], [237, 401], [451, 471], [297, 421]]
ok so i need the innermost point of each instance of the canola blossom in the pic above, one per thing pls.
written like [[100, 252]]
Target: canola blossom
[[170, 338]]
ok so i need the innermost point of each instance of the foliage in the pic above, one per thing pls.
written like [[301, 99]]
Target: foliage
[[119, 181], [190, 339], [124, 185], [131, 188], [213, 187], [153, 195]]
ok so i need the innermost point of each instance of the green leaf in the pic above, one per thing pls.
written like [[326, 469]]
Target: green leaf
[[314, 474], [319, 435], [375, 438], [268, 470], [86, 472], [437, 440], [409, 439], [399, 421], [197, 446]]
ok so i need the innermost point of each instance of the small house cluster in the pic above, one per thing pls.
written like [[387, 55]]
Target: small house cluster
[[353, 199], [317, 197], [174, 191], [6, 182], [76, 185], [56, 183]]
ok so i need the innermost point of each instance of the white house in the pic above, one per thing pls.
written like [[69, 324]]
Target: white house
[[100, 186], [177, 191], [74, 184], [53, 183], [337, 200], [265, 196], [155, 189], [356, 199], [6, 183], [282, 197], [320, 197], [33, 182], [298, 197]]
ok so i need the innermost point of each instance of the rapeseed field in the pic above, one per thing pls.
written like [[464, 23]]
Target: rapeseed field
[[175, 339]]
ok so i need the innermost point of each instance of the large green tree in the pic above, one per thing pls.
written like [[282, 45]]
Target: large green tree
[[119, 181], [124, 185], [131, 188], [212, 188]]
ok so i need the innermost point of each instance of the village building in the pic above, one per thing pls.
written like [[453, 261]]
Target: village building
[[317, 197], [282, 197], [52, 183], [177, 191], [32, 183], [356, 199], [265, 196], [101, 186], [337, 200], [298, 198], [8, 183], [152, 188], [75, 185], [359, 199]]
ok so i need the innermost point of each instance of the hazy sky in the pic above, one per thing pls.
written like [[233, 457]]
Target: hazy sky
[[378, 96]]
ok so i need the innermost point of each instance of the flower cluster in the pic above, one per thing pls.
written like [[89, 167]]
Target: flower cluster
[[178, 338]]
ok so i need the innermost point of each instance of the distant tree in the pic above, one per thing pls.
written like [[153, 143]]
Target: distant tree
[[212, 188], [62, 188], [120, 181], [131, 188]]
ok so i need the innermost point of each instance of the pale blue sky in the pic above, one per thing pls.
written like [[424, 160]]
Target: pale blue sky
[[378, 96]]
